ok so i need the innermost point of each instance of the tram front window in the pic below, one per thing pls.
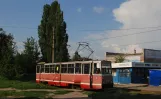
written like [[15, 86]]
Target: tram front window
[[106, 70], [96, 70]]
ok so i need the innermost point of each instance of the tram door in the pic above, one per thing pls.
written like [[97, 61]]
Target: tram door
[[88, 74], [91, 74], [38, 72], [57, 77]]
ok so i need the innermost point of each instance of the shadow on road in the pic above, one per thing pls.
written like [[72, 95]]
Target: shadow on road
[[122, 93]]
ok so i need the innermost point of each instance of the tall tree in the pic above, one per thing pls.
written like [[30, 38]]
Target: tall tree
[[53, 18]]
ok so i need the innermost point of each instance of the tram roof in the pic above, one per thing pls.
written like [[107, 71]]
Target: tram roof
[[72, 62]]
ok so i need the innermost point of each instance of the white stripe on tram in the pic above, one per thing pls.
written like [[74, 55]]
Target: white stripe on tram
[[69, 82]]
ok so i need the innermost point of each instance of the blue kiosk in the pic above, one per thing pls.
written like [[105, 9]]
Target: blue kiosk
[[132, 72]]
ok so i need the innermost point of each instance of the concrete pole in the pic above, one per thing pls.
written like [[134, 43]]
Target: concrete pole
[[53, 46]]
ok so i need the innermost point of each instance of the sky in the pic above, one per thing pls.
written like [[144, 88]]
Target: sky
[[136, 21]]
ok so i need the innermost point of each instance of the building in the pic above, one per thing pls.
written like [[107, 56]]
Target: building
[[147, 55], [155, 77], [132, 72], [110, 56]]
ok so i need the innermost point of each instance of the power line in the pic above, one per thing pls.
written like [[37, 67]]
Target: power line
[[87, 30], [122, 29], [141, 43], [125, 35]]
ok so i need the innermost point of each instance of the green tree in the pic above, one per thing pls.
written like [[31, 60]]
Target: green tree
[[53, 18], [76, 57], [119, 59], [30, 55], [7, 52]]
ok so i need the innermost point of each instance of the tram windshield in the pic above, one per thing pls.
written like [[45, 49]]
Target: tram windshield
[[106, 68]]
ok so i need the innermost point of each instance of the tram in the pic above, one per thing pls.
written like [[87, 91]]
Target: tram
[[83, 74]]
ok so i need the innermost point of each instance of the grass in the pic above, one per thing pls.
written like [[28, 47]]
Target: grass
[[23, 85], [37, 94]]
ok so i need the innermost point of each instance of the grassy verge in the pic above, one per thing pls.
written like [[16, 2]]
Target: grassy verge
[[36, 94], [23, 85], [33, 94]]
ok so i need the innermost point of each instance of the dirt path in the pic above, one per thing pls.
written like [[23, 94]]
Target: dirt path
[[72, 95]]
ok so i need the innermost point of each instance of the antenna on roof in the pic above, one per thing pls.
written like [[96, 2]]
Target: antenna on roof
[[134, 51], [84, 45]]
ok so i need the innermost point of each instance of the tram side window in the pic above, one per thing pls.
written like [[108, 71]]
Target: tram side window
[[96, 70], [71, 68], [52, 68], [47, 69], [78, 68], [38, 69], [86, 68], [42, 69], [64, 68], [57, 69]]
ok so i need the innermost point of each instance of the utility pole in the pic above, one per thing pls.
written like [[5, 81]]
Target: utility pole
[[53, 47]]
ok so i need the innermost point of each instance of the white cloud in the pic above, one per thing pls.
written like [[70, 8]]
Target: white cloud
[[131, 14], [98, 9], [79, 10], [20, 46]]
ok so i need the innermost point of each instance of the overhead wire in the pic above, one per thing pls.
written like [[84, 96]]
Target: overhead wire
[[111, 29], [85, 29], [124, 35], [140, 43]]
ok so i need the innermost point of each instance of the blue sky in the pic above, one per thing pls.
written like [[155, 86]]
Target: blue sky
[[88, 15], [27, 13]]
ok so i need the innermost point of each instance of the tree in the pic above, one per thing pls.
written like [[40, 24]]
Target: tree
[[53, 18], [120, 58], [76, 57], [30, 55], [7, 51]]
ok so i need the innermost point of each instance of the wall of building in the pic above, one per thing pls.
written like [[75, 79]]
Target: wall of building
[[136, 58], [151, 55], [129, 58]]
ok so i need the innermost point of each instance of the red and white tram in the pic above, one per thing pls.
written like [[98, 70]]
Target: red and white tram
[[85, 74]]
